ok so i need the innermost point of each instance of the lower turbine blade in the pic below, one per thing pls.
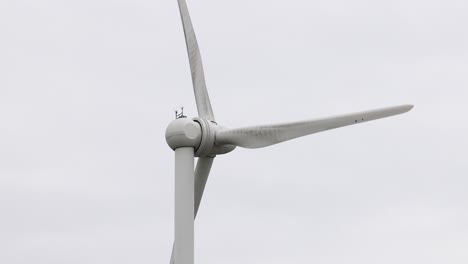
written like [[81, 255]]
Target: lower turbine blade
[[201, 176], [184, 206], [262, 136]]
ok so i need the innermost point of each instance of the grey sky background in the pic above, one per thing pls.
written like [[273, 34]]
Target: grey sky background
[[87, 89]]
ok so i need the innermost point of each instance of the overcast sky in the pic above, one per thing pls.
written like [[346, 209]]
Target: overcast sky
[[87, 89]]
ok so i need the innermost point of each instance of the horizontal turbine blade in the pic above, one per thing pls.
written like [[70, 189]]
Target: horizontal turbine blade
[[196, 67], [266, 135]]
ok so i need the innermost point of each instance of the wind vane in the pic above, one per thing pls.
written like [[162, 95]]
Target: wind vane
[[179, 112]]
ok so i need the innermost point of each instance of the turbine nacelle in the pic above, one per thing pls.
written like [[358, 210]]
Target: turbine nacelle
[[198, 133], [183, 132]]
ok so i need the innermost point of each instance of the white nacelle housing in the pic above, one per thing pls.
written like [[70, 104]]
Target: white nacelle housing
[[183, 132]]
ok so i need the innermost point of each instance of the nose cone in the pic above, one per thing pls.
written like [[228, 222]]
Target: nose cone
[[183, 132]]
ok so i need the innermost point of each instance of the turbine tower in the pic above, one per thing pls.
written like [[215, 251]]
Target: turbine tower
[[202, 137]]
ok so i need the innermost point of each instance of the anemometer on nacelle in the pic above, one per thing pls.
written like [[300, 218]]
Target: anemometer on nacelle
[[179, 112]]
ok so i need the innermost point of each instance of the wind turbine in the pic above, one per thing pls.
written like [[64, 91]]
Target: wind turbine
[[202, 137]]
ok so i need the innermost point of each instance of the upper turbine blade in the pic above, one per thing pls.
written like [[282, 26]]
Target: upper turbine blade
[[262, 136], [198, 77]]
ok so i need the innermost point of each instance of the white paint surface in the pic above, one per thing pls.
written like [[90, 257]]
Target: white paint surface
[[87, 89]]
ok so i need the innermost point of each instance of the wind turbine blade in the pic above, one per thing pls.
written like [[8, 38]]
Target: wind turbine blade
[[266, 135], [201, 176], [198, 77], [184, 206]]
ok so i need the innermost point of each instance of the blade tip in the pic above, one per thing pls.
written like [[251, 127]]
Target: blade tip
[[404, 108], [408, 107]]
